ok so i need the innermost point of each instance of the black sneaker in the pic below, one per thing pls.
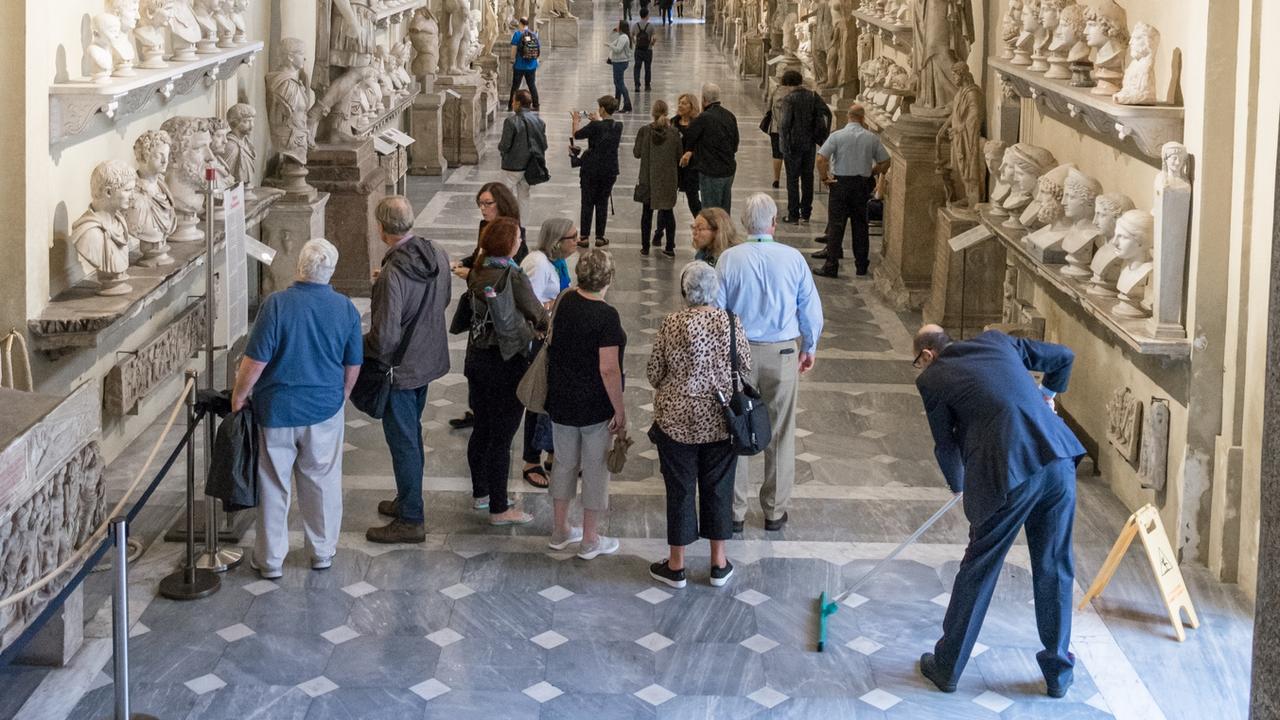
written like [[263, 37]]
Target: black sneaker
[[776, 525], [467, 420], [644, 252], [929, 669], [669, 253], [675, 578], [738, 526], [775, 184], [721, 575]]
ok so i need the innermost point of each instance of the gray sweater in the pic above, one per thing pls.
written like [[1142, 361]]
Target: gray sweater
[[523, 134], [413, 267]]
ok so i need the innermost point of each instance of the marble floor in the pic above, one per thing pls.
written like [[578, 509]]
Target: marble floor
[[486, 623]]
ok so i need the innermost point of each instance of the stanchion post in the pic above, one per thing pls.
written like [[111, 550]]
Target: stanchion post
[[120, 620], [190, 582]]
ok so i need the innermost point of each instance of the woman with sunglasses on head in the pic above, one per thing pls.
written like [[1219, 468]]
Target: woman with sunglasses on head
[[713, 233]]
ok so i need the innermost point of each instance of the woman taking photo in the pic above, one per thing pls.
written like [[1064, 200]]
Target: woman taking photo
[[584, 400], [659, 147], [597, 167], [548, 271], [686, 111], [689, 370], [713, 233], [620, 54], [491, 377]]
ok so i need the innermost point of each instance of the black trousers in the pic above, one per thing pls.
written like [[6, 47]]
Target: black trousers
[[848, 202], [595, 204], [666, 223], [644, 57], [626, 9], [799, 166], [706, 469], [530, 78], [491, 391]]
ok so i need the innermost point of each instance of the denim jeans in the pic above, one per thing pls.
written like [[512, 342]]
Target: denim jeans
[[402, 427], [620, 85], [716, 192], [530, 77]]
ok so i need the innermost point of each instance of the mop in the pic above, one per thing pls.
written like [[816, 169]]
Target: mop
[[827, 608]]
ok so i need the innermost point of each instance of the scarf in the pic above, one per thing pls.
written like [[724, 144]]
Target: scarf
[[562, 270]]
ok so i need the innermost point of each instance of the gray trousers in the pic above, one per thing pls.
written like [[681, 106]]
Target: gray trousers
[[585, 449], [311, 455], [775, 371]]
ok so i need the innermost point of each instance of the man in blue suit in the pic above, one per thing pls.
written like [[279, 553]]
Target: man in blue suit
[[998, 440]]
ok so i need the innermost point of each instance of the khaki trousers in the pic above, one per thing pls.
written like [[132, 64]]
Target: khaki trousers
[[774, 372], [311, 456]]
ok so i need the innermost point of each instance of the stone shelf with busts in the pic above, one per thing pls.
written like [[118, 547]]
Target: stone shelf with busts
[[888, 30], [74, 106], [1132, 332], [393, 11], [388, 117], [79, 317], [1148, 126]]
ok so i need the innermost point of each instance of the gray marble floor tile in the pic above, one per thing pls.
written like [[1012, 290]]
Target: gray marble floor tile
[[600, 668], [508, 572], [924, 707], [824, 707], [713, 707], [482, 705], [598, 618], [400, 612], [501, 615], [621, 575], [252, 702], [900, 580], [709, 669], [687, 619], [793, 622], [225, 607], [349, 566], [271, 659], [382, 662], [163, 700], [837, 672], [415, 570], [298, 611], [598, 707], [489, 664], [366, 704]]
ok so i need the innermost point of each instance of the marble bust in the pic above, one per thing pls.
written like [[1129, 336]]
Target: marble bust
[[993, 155], [1068, 43], [1049, 218], [1046, 25], [290, 101], [98, 53], [1139, 87], [1021, 170], [184, 31], [1079, 197], [1134, 235], [222, 16], [151, 218], [241, 33], [238, 154], [1106, 30], [205, 11], [219, 129], [123, 51], [188, 159], [101, 234], [1106, 261], [151, 31], [1027, 38]]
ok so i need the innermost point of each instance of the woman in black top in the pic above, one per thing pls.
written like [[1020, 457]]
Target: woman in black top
[[598, 168], [686, 111]]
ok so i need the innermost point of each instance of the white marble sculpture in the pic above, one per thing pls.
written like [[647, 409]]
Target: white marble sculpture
[[840, 66], [184, 31], [1079, 197], [219, 130], [1047, 215], [993, 155], [1029, 22], [1134, 232], [1010, 29], [1047, 24], [239, 155], [1105, 266], [455, 19], [98, 53], [1021, 169], [152, 29], [963, 168], [290, 100], [1106, 30], [222, 15], [942, 33], [204, 12], [424, 35], [101, 234], [239, 19], [1171, 210], [188, 159], [1068, 43], [400, 55], [151, 218], [1139, 86], [123, 51]]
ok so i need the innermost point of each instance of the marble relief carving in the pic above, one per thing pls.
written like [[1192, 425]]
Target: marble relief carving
[[1153, 458], [1124, 423], [140, 373]]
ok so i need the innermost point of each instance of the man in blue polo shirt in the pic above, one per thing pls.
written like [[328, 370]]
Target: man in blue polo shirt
[[300, 364], [848, 163], [525, 50]]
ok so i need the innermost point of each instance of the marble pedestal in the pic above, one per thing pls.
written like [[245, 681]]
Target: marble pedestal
[[562, 31], [752, 57], [286, 229], [489, 88], [427, 128], [966, 293], [912, 200], [356, 184], [728, 41], [463, 120], [502, 50]]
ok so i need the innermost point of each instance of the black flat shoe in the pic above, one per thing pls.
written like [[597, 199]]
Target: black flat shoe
[[775, 184], [827, 271], [820, 255], [669, 253], [644, 252], [776, 525], [467, 420], [929, 669]]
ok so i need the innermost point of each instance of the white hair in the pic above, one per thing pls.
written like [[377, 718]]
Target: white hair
[[317, 261], [760, 215], [710, 93], [700, 284]]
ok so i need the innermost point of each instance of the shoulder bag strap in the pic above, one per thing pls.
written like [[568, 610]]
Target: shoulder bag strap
[[555, 306], [733, 344]]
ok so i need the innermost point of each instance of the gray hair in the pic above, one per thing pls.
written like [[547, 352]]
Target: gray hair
[[595, 270], [699, 284], [760, 215], [395, 215], [317, 261], [552, 232], [710, 93]]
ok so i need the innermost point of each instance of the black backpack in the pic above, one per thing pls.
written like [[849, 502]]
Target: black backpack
[[643, 38], [821, 120], [530, 49]]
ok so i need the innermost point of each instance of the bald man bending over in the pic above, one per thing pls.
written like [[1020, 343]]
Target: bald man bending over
[[998, 439]]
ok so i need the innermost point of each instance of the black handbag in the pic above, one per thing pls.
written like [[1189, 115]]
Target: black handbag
[[745, 412], [766, 121], [535, 172], [373, 385], [461, 321]]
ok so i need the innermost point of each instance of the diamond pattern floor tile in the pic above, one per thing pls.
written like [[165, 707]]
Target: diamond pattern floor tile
[[655, 642], [653, 596], [440, 403], [232, 633], [978, 649], [993, 701], [445, 637], [359, 590], [340, 634], [456, 592], [543, 691], [549, 639], [205, 684], [941, 600], [357, 423], [138, 630], [864, 645], [317, 686], [261, 587], [759, 644], [872, 435], [655, 694], [808, 457], [1097, 702], [802, 433], [348, 447], [555, 593], [751, 597], [430, 689], [854, 600], [767, 697], [880, 699]]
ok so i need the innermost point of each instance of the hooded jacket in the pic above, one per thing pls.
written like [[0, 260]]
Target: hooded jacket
[[659, 149], [409, 269]]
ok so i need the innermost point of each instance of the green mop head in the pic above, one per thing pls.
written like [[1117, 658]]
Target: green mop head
[[824, 609]]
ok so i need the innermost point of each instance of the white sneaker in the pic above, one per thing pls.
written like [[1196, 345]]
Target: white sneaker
[[575, 535], [602, 546], [265, 573], [322, 563], [481, 503]]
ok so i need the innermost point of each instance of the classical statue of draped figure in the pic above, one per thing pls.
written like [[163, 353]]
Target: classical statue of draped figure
[[943, 35]]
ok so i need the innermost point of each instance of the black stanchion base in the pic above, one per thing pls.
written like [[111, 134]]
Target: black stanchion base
[[175, 587], [136, 716]]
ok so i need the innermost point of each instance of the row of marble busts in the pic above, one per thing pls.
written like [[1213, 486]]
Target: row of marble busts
[[134, 213], [187, 28], [894, 11], [1065, 218], [1084, 43]]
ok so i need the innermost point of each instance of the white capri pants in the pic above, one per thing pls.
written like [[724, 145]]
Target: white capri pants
[[311, 455]]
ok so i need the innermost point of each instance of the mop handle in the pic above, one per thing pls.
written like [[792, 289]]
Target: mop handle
[[898, 550]]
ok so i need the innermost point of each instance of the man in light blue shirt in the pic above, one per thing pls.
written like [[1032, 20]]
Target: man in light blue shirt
[[847, 163], [768, 285]]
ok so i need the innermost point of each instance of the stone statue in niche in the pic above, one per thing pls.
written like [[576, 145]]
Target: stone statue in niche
[[239, 9], [1047, 24], [239, 155], [1139, 86], [943, 33], [964, 170], [290, 100], [1106, 30], [453, 49], [1134, 233], [1124, 422], [1010, 29], [1047, 215], [101, 234], [993, 155], [1021, 169], [1105, 265], [1027, 36], [424, 34], [184, 31], [1068, 44], [188, 159], [205, 11], [150, 33], [151, 218], [1079, 197]]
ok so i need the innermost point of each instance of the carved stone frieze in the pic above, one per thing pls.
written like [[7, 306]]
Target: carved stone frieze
[[1153, 461], [156, 361], [1124, 423]]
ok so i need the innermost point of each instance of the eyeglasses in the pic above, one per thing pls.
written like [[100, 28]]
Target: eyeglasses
[[486, 203], [574, 236], [916, 363], [696, 227]]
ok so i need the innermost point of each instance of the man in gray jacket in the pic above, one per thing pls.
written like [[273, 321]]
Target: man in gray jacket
[[410, 294], [523, 136]]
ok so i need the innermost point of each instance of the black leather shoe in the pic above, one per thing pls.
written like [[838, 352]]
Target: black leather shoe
[[821, 239], [862, 272], [776, 525], [738, 525], [467, 420], [830, 271], [820, 255], [388, 508], [1057, 691], [929, 669]]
